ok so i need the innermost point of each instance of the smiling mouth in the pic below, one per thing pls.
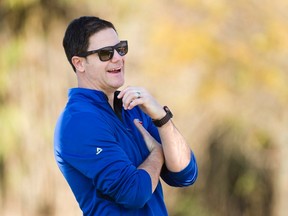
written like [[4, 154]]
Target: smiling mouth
[[115, 70]]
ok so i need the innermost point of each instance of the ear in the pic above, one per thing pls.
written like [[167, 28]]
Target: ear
[[78, 63]]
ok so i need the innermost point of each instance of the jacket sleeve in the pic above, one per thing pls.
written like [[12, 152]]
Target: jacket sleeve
[[185, 177], [90, 147]]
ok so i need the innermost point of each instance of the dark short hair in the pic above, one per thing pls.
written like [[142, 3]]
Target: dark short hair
[[78, 32]]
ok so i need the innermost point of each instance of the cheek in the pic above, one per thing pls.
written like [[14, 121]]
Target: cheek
[[96, 68]]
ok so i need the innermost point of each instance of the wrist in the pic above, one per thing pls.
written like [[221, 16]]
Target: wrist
[[165, 118], [159, 152], [159, 115]]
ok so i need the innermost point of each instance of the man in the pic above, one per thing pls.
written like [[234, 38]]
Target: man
[[107, 142]]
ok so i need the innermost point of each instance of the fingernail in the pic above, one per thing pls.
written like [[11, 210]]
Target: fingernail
[[139, 121]]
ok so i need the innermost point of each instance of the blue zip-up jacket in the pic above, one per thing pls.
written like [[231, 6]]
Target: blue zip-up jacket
[[98, 151]]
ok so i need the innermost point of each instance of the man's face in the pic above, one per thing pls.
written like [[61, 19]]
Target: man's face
[[105, 76]]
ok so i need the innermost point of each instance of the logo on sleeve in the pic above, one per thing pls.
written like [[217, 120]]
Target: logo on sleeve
[[98, 150]]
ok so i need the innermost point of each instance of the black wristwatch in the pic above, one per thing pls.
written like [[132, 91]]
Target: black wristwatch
[[165, 119]]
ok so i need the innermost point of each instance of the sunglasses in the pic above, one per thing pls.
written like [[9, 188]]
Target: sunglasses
[[106, 53]]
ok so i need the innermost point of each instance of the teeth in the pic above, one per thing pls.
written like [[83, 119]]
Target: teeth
[[115, 69]]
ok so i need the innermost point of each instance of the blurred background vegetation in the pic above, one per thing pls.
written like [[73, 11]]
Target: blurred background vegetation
[[221, 66]]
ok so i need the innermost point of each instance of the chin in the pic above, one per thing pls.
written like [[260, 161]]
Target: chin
[[118, 85]]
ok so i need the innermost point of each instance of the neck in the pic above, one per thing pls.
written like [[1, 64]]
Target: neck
[[108, 92], [111, 99]]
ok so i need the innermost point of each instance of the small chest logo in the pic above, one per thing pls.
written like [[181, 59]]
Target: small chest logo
[[98, 150]]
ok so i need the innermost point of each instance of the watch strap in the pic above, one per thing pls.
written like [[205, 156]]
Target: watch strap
[[165, 119]]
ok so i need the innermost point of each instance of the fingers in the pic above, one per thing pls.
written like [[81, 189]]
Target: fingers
[[136, 96], [131, 100], [131, 97], [150, 142], [140, 127], [126, 90]]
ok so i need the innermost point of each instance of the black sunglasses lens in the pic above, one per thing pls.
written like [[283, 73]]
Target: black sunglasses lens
[[106, 54], [122, 48]]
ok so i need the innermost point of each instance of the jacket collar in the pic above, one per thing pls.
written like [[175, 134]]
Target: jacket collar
[[94, 95]]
